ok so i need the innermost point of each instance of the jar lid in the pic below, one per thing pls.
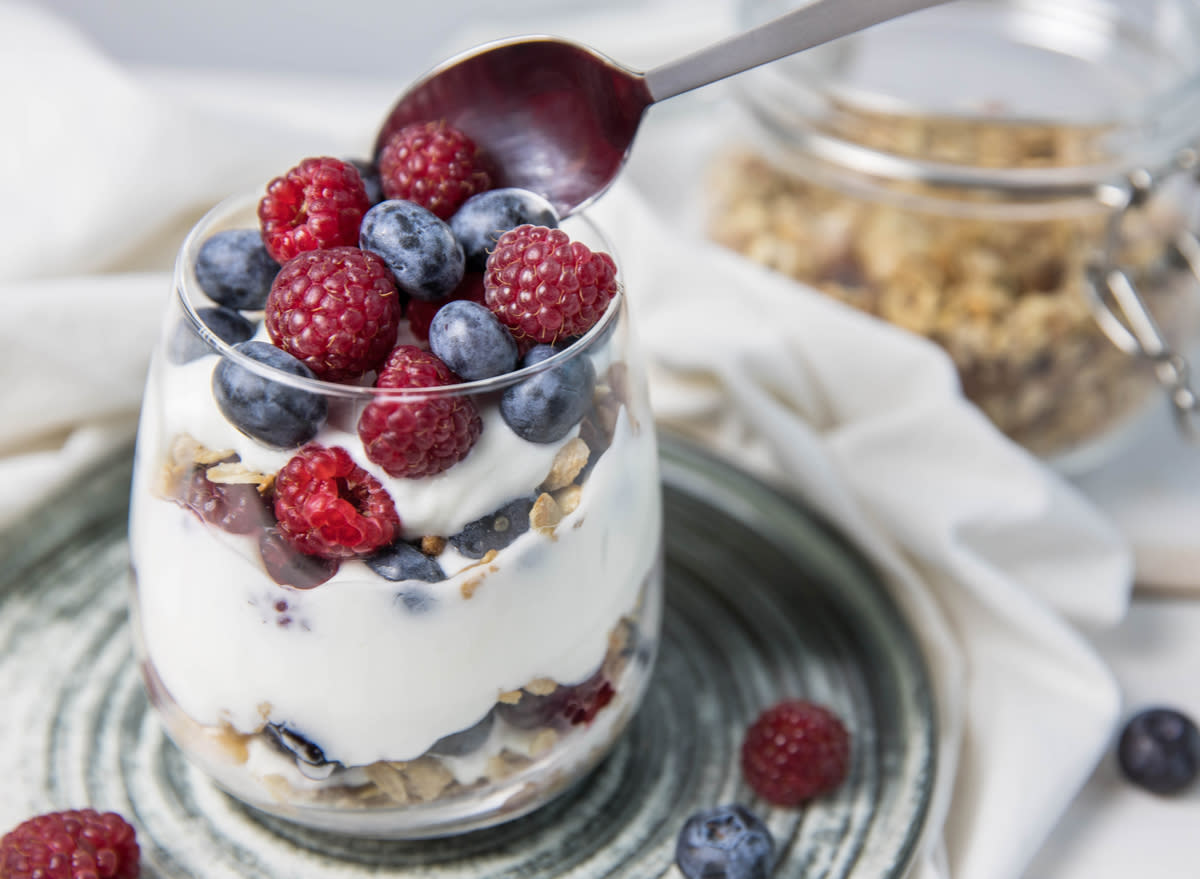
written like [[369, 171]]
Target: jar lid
[[1007, 94]]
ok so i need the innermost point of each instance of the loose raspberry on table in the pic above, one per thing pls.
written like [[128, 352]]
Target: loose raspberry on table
[[544, 287], [421, 436], [319, 203], [330, 507], [335, 310], [794, 751], [432, 164], [76, 844]]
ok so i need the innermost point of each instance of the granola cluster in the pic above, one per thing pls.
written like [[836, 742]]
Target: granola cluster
[[998, 284]]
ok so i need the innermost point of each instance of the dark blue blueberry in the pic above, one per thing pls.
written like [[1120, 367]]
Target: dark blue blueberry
[[287, 566], [296, 745], [485, 217], [531, 711], [275, 414], [310, 759], [236, 508], [495, 530], [233, 269], [416, 601], [370, 178], [728, 842], [544, 407], [403, 561], [465, 741], [1159, 750], [472, 341], [225, 323], [419, 248]]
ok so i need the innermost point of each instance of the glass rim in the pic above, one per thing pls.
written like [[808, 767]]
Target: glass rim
[[1148, 131], [185, 284]]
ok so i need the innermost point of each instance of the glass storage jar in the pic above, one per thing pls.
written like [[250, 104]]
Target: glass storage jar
[[461, 672], [998, 176]]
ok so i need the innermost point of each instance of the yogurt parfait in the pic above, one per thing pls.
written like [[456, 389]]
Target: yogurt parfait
[[396, 521]]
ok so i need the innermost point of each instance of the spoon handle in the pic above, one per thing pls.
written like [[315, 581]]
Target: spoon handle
[[817, 22]]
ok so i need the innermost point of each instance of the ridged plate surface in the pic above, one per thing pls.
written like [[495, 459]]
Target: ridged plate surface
[[763, 602]]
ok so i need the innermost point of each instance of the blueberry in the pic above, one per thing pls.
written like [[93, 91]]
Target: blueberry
[[544, 407], [728, 842], [531, 711], [1159, 750], [403, 561], [233, 269], [287, 566], [472, 341], [495, 530], [310, 759], [236, 508], [419, 248], [483, 218], [416, 601], [370, 178], [465, 741], [225, 323], [275, 414]]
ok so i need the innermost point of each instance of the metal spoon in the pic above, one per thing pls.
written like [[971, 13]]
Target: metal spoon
[[558, 118]]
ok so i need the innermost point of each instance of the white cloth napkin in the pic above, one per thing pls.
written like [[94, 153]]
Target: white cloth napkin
[[995, 561]]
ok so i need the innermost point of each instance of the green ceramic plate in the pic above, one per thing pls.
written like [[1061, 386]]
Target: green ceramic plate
[[763, 601]]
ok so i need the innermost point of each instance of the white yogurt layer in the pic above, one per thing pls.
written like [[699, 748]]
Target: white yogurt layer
[[501, 466], [355, 670]]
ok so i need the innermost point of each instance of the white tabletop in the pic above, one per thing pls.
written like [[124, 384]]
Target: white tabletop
[[1114, 830]]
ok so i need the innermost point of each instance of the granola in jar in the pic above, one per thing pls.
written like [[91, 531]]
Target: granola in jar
[[970, 219]]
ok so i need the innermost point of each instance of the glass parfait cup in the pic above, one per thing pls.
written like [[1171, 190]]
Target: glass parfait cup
[[451, 693]]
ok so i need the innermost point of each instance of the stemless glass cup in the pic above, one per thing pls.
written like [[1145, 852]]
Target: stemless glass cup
[[954, 172], [332, 696]]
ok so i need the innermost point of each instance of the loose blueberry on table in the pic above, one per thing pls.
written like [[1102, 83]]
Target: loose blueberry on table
[[728, 842], [1159, 750]]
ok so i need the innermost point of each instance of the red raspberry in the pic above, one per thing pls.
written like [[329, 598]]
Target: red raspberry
[[545, 287], [583, 702], [431, 164], [420, 312], [418, 436], [570, 705], [794, 751], [83, 844], [330, 507], [319, 203], [336, 310]]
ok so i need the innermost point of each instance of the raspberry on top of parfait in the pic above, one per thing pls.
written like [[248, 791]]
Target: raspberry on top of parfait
[[432, 164], [319, 203]]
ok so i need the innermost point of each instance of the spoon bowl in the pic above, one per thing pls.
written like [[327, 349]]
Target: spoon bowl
[[552, 116], [558, 118]]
